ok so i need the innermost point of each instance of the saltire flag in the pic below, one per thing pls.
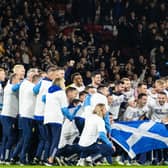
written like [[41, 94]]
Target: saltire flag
[[137, 137]]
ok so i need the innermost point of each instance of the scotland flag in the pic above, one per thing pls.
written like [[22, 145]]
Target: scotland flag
[[140, 136]]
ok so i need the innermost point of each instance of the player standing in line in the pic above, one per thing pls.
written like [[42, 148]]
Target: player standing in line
[[96, 79], [55, 99], [26, 114], [19, 70], [41, 89], [139, 111], [9, 118], [2, 79], [128, 91], [77, 82], [159, 113], [117, 99]]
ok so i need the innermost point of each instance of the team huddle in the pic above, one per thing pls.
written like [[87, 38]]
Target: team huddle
[[72, 124]]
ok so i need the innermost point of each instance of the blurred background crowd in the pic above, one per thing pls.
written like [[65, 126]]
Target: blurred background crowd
[[120, 38]]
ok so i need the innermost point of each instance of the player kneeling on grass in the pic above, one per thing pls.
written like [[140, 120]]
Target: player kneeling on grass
[[94, 143]]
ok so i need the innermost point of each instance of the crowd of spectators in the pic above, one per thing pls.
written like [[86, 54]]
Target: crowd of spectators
[[120, 38]]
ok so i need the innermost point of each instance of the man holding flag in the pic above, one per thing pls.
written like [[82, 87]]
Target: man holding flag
[[137, 137]]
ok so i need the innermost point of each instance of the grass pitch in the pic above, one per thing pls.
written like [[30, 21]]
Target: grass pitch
[[111, 166]]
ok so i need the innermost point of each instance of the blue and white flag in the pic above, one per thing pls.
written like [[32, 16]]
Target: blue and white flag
[[137, 137]]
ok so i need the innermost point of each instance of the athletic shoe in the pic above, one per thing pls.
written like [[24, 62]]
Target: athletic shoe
[[35, 161], [13, 161], [58, 161], [81, 162], [118, 160], [2, 162], [148, 163], [21, 163], [135, 163], [7, 162], [154, 162], [88, 161], [165, 162], [127, 163], [63, 161], [48, 164]]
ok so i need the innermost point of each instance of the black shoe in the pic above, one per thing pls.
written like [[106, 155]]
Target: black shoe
[[35, 161], [154, 162], [7, 162], [13, 161]]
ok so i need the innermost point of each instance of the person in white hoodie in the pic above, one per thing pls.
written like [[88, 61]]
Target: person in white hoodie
[[55, 99], [39, 90], [9, 117], [99, 97], [26, 114]]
